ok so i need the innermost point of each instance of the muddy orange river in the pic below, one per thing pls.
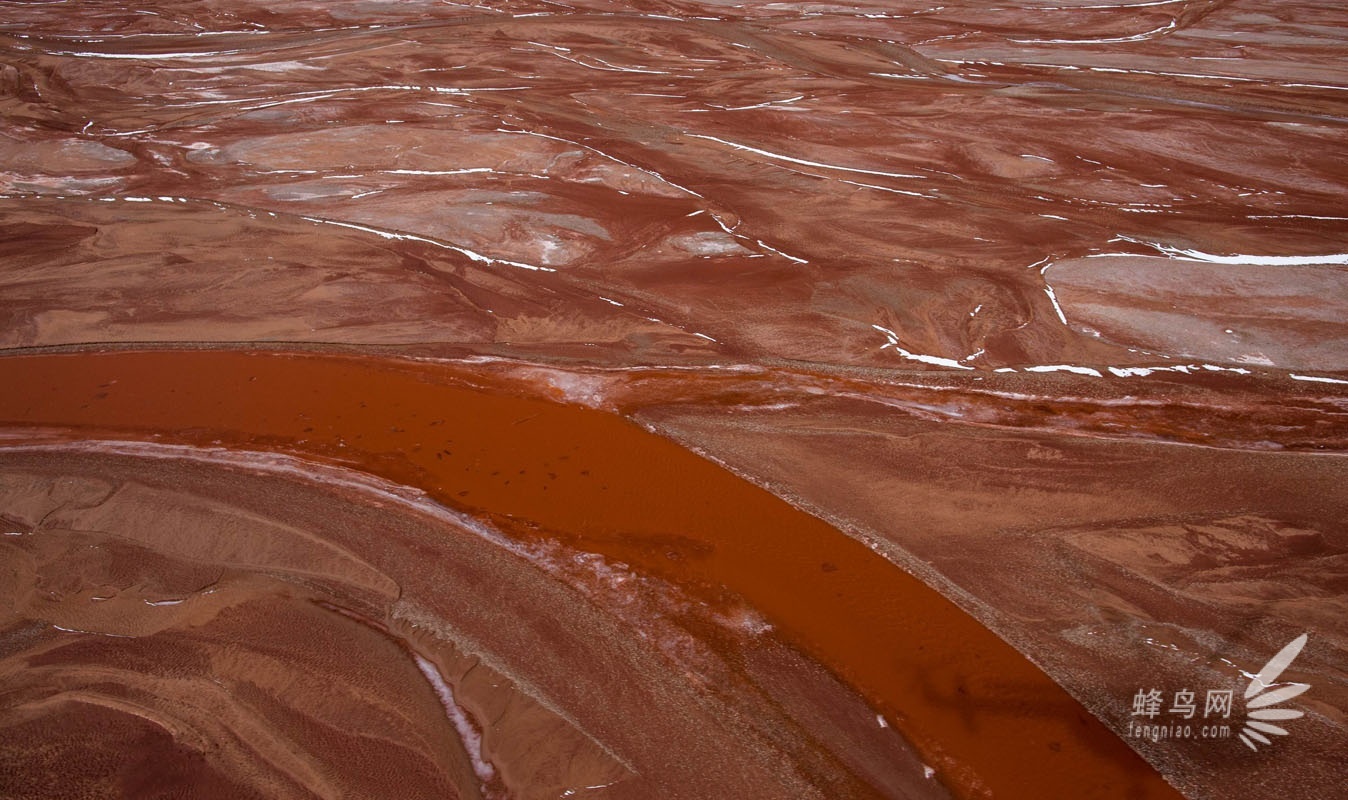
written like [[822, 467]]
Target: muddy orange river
[[541, 399]]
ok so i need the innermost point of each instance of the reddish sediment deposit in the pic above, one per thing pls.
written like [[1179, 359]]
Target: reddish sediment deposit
[[522, 398], [540, 472]]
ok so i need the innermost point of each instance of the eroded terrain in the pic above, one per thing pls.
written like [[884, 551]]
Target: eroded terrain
[[1026, 321]]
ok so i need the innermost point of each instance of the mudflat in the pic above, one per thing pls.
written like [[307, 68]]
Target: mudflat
[[519, 399]]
